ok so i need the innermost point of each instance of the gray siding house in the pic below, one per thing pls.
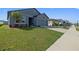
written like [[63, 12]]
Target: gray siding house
[[30, 17]]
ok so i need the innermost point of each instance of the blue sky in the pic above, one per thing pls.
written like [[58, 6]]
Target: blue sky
[[71, 14]]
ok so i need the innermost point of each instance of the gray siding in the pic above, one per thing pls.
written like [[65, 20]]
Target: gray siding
[[38, 19], [11, 21], [41, 20]]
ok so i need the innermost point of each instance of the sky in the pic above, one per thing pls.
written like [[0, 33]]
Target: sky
[[71, 14]]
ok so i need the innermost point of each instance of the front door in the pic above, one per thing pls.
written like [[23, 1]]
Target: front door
[[30, 21]]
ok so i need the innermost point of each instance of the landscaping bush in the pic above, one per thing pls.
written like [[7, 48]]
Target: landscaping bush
[[1, 24], [77, 28]]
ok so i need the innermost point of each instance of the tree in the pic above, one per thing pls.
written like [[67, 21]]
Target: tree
[[55, 23], [16, 15]]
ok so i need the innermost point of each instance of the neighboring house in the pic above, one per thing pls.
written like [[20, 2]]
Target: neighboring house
[[64, 22], [58, 22], [50, 23], [3, 22], [53, 22], [30, 17], [61, 22], [6, 22]]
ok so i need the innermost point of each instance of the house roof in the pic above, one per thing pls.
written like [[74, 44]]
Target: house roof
[[45, 15], [8, 14]]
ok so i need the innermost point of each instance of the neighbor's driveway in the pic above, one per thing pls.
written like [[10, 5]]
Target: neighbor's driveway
[[68, 42], [59, 29]]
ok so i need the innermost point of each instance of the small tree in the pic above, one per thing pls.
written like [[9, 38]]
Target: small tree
[[56, 23], [16, 15]]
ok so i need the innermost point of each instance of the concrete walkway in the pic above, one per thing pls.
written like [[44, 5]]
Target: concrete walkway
[[59, 29], [68, 42]]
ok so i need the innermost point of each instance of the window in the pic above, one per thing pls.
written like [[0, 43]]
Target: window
[[17, 21], [23, 21]]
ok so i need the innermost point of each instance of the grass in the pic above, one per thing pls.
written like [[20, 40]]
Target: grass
[[77, 28], [64, 27], [26, 39]]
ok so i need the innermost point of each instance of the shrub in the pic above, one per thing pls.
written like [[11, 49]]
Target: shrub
[[1, 24]]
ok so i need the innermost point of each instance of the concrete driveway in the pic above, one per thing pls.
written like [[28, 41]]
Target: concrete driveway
[[59, 29], [68, 42]]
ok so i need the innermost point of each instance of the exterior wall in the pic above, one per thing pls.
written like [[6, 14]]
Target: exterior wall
[[26, 13], [27, 21], [38, 19], [41, 20], [24, 21], [11, 21], [50, 23]]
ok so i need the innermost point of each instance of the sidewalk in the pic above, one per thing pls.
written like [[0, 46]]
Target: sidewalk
[[68, 42]]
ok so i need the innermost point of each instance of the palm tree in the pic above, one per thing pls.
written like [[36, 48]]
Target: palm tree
[[16, 15]]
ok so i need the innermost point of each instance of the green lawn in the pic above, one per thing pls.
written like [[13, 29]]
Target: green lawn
[[27, 39], [77, 28]]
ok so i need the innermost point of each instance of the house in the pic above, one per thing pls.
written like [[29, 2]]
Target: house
[[64, 22], [3, 22], [50, 23], [53, 22], [61, 22], [58, 22], [30, 17]]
